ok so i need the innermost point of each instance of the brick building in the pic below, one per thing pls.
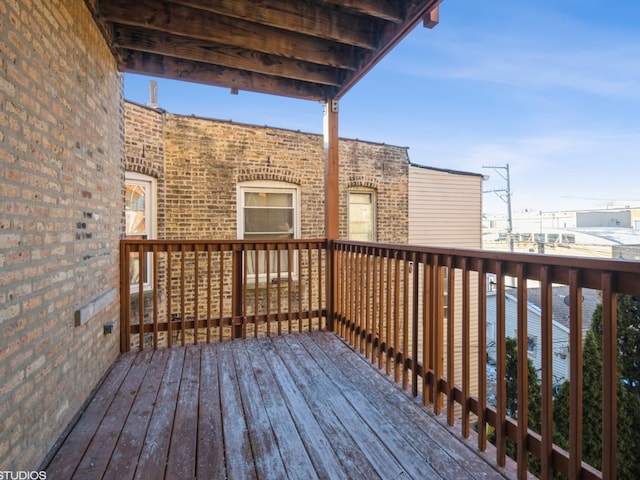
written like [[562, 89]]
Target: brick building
[[202, 165]]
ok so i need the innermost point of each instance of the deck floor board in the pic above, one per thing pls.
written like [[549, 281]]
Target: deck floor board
[[298, 406]]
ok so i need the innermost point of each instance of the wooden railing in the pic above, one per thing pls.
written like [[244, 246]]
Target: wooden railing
[[190, 291], [418, 313]]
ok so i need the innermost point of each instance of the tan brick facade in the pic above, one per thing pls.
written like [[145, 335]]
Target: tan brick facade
[[61, 216], [205, 159]]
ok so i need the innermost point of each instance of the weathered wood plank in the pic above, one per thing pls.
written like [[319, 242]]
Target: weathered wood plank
[[153, 457], [353, 417], [96, 458], [399, 442], [127, 452], [210, 461], [290, 444], [70, 453], [352, 445], [447, 455], [264, 446], [181, 462], [326, 446], [239, 458]]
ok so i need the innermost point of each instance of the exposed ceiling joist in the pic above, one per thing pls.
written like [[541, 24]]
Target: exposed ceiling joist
[[314, 49]]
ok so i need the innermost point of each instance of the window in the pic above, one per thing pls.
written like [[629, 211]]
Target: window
[[361, 216], [268, 211], [140, 194], [532, 345]]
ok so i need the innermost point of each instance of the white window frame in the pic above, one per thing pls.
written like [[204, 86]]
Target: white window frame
[[150, 211], [372, 194], [270, 186]]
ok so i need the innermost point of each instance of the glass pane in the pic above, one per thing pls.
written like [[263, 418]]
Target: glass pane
[[268, 199], [360, 217], [135, 209], [268, 220], [360, 198]]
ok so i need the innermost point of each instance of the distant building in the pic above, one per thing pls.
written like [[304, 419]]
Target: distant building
[[613, 233], [560, 325]]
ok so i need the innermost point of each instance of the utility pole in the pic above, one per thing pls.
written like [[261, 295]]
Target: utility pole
[[505, 196]]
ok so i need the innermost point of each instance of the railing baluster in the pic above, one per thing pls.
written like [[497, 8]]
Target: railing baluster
[[183, 313], [482, 356], [155, 297], [381, 310], [196, 308], [609, 377], [427, 320], [575, 373], [300, 277], [437, 334], [451, 340], [209, 280], [415, 308], [320, 289], [310, 282], [142, 267], [405, 321], [501, 352], [466, 346], [289, 286], [221, 296], [169, 297], [396, 318], [546, 319], [388, 318], [523, 374]]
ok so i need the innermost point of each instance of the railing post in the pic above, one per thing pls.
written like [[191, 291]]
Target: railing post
[[236, 294], [125, 299]]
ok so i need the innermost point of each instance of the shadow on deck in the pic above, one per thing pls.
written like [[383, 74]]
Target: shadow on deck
[[296, 406]]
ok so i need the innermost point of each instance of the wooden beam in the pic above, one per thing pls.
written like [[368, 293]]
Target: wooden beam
[[198, 72], [388, 39], [390, 10], [431, 18], [312, 19], [197, 24], [233, 57]]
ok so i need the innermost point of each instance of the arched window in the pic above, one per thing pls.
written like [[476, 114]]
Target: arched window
[[140, 214]]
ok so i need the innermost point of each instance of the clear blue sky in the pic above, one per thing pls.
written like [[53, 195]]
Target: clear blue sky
[[551, 87]]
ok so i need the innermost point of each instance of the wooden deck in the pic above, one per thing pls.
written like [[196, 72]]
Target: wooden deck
[[296, 406]]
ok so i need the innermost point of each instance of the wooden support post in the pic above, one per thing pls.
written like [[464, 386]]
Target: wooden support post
[[331, 202]]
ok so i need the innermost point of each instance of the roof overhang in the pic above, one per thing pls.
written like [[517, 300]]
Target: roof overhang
[[309, 49]]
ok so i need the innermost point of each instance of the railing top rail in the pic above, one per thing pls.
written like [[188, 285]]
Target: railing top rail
[[627, 272], [297, 241]]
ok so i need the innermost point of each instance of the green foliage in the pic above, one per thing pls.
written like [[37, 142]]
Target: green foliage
[[535, 412], [628, 393]]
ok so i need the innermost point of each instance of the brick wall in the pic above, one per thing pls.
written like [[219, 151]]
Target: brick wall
[[205, 159], [61, 216]]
